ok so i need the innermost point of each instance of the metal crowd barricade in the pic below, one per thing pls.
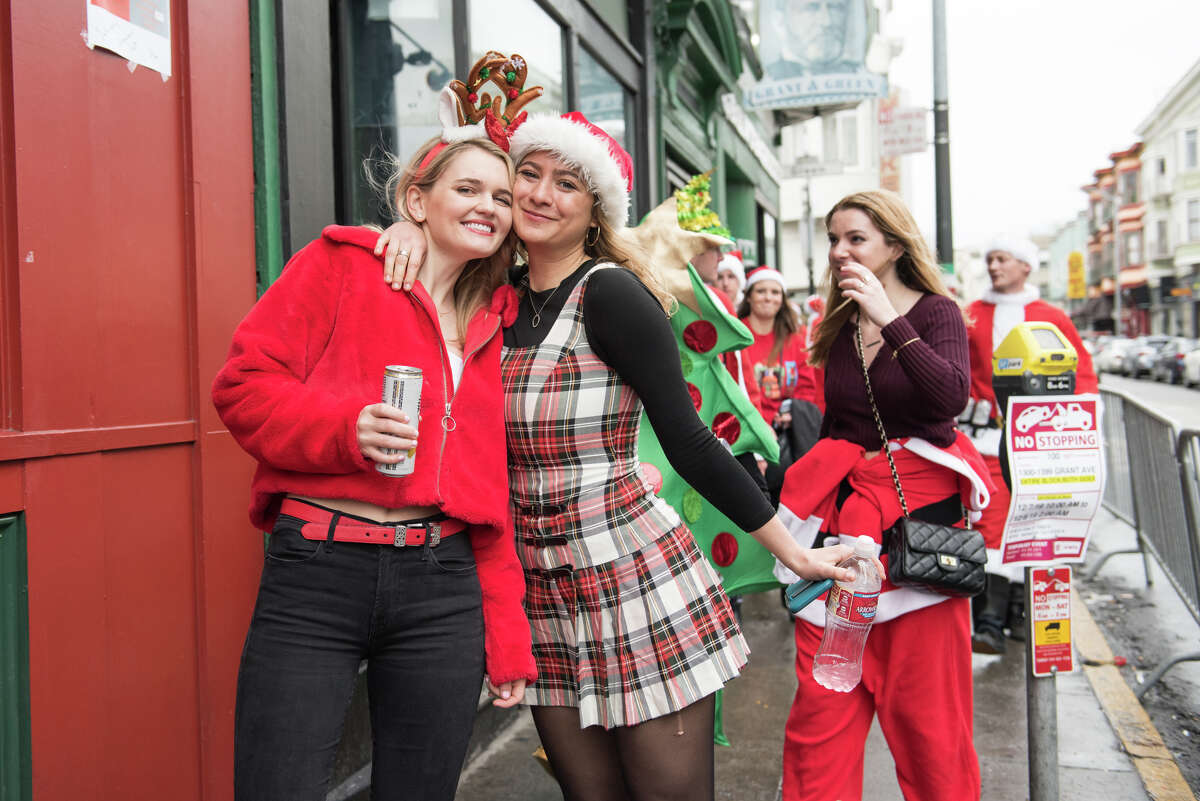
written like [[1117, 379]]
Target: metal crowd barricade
[[1153, 483], [1118, 489], [1118, 485], [1180, 558]]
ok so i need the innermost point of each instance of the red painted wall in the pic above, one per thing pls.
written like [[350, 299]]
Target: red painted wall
[[127, 259]]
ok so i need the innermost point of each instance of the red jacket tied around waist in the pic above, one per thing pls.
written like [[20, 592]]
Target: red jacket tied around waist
[[807, 504], [311, 354]]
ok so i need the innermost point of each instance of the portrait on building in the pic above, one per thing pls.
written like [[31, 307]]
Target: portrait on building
[[812, 37], [813, 53]]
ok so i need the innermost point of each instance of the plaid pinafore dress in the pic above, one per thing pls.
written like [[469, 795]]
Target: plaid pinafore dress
[[629, 620]]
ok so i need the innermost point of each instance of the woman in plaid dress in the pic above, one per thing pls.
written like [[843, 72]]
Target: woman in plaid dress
[[632, 632]]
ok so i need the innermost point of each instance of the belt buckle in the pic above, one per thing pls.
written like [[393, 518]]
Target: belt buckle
[[431, 532]]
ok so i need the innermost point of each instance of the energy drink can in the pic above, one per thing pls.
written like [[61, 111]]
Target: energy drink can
[[402, 389]]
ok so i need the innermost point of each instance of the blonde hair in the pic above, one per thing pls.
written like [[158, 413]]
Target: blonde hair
[[916, 267], [784, 325], [611, 247], [480, 277]]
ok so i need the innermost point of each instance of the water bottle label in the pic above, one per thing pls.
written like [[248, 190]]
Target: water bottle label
[[853, 607]]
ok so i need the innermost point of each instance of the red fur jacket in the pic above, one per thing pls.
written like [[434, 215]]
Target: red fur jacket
[[311, 354]]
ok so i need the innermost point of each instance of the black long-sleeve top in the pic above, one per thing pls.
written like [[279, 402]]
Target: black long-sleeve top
[[628, 330]]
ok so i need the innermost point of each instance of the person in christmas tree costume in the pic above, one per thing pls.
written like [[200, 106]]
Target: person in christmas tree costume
[[678, 235], [681, 229]]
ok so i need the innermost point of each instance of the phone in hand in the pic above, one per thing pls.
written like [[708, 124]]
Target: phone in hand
[[800, 594]]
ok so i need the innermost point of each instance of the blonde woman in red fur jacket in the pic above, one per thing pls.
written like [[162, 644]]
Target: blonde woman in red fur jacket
[[299, 393]]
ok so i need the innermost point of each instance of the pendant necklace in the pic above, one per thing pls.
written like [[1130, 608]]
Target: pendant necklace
[[537, 313]]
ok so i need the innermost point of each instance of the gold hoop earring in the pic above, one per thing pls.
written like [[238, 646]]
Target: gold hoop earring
[[595, 239]]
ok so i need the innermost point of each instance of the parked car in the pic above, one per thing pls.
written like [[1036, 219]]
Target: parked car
[[1169, 364], [1096, 343], [1110, 356], [1139, 357], [1191, 369]]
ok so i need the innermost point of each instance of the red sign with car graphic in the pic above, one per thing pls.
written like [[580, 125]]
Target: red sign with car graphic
[[1057, 469]]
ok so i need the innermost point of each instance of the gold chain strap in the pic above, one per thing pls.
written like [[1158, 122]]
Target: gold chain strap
[[862, 359]]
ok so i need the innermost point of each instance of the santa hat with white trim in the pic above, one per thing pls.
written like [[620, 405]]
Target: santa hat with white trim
[[1017, 246], [606, 167], [764, 273], [732, 262]]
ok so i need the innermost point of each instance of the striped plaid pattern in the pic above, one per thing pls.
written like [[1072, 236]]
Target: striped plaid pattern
[[633, 639], [629, 620], [572, 430]]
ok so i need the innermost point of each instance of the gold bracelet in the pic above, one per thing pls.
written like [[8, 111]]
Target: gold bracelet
[[903, 345]]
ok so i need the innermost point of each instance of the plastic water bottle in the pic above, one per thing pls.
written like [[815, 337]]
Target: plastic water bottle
[[849, 613]]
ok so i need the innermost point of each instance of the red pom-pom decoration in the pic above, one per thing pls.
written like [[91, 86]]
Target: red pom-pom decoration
[[474, 98], [513, 94], [504, 303], [653, 476], [694, 391], [727, 427], [724, 549], [700, 336]]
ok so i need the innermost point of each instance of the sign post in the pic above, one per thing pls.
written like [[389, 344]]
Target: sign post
[[1050, 613], [1055, 468]]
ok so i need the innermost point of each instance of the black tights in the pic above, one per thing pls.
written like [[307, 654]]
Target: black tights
[[651, 761]]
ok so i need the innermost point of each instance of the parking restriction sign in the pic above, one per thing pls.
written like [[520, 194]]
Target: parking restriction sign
[[1050, 613]]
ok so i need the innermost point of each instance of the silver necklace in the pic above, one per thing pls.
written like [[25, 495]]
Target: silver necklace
[[537, 313]]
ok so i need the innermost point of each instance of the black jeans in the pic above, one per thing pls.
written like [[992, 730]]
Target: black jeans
[[413, 613]]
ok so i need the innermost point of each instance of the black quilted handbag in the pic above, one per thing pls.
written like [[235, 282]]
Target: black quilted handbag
[[936, 557], [932, 556]]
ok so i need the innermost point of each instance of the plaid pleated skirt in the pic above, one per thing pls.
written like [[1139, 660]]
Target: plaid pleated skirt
[[635, 638]]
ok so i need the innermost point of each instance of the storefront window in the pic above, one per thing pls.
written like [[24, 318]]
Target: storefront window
[[526, 29], [603, 100], [395, 57], [615, 13], [768, 235]]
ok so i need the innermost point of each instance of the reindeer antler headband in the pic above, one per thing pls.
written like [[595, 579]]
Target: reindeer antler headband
[[489, 105]]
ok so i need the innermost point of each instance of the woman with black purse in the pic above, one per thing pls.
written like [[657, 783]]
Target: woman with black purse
[[894, 348]]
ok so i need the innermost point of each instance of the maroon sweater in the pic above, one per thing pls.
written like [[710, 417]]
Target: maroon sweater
[[919, 392]]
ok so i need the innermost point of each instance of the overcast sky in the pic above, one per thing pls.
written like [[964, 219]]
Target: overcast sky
[[1041, 92]]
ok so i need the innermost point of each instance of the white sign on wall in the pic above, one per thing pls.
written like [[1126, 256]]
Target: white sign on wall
[[139, 30], [902, 130]]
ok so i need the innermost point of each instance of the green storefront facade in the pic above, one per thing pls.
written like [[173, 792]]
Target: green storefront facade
[[703, 48]]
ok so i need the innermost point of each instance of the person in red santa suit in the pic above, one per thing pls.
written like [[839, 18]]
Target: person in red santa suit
[[815, 304], [1010, 301], [889, 316], [776, 363]]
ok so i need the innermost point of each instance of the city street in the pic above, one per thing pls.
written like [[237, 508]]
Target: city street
[[1171, 400]]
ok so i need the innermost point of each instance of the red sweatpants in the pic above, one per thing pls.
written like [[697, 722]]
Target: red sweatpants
[[917, 678]]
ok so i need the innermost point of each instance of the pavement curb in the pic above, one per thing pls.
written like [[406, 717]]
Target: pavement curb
[[1153, 761]]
